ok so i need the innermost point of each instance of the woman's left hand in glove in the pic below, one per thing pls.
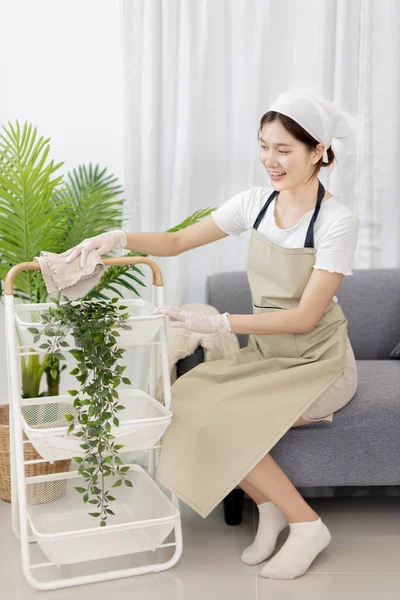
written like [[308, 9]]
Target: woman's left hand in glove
[[195, 321]]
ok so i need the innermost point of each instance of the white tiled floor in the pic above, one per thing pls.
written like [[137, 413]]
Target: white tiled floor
[[362, 561]]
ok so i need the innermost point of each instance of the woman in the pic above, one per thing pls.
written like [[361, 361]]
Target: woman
[[298, 367]]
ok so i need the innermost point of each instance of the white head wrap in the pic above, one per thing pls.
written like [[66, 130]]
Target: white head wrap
[[322, 119]]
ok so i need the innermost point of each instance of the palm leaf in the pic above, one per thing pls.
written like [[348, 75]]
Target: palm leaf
[[93, 203], [29, 216], [123, 275]]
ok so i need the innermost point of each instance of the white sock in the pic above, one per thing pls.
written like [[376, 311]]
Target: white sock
[[270, 525], [306, 540]]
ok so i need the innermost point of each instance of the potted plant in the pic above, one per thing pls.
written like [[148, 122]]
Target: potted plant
[[39, 210], [42, 210]]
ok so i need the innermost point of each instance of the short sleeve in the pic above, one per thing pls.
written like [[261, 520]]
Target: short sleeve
[[336, 249], [235, 215]]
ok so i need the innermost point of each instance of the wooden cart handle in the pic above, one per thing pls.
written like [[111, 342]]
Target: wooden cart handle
[[123, 260]]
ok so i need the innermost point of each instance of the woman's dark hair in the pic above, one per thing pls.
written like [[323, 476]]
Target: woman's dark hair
[[299, 133]]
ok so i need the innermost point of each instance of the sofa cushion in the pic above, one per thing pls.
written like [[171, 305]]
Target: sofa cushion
[[361, 446]]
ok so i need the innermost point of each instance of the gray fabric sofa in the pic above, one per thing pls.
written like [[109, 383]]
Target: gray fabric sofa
[[362, 445]]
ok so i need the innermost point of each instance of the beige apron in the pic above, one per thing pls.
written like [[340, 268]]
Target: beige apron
[[229, 413]]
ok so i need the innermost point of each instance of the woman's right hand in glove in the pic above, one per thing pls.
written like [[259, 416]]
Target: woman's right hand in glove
[[103, 243]]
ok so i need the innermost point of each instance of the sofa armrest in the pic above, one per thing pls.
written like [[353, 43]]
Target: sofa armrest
[[189, 362]]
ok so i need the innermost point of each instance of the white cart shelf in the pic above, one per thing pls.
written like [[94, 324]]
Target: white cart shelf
[[142, 424], [47, 511], [67, 534], [143, 324]]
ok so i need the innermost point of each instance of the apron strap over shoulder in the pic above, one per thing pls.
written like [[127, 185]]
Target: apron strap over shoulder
[[264, 210], [309, 243]]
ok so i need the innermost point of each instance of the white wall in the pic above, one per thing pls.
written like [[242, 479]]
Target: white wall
[[61, 69]]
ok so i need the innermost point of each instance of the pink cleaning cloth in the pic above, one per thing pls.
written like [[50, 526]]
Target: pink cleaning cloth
[[71, 279]]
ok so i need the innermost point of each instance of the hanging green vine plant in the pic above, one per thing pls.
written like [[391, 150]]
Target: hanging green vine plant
[[94, 326]]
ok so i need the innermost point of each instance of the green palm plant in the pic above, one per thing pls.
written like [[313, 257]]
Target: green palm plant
[[93, 204], [27, 205], [40, 210]]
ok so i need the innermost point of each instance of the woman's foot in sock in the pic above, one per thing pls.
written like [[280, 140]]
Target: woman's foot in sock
[[270, 525], [306, 540]]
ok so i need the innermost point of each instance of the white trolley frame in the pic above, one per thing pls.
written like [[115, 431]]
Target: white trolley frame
[[20, 523]]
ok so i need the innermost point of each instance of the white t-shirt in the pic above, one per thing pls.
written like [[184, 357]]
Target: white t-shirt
[[335, 229]]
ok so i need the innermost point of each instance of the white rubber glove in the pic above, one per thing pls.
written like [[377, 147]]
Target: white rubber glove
[[195, 321], [103, 243]]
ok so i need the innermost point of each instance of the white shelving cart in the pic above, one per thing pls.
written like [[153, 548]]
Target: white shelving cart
[[47, 512]]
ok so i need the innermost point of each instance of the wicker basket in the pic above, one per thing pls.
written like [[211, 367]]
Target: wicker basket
[[38, 493]]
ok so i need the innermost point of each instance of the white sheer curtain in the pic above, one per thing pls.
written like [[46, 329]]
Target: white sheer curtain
[[199, 74]]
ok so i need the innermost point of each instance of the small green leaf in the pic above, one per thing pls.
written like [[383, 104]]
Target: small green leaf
[[81, 490], [94, 514], [117, 483], [33, 330], [73, 392], [69, 417], [77, 459], [128, 483]]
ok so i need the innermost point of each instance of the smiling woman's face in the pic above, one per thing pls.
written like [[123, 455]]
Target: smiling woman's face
[[280, 152]]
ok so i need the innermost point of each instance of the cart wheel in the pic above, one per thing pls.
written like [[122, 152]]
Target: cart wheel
[[233, 507]]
